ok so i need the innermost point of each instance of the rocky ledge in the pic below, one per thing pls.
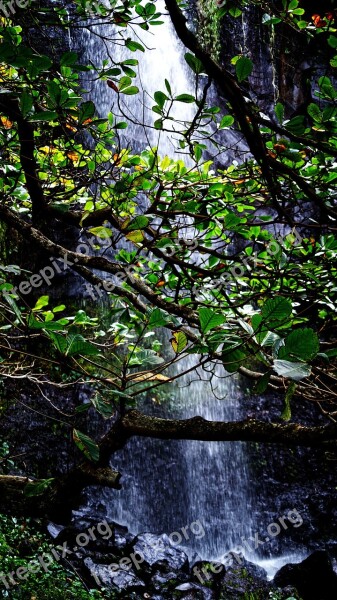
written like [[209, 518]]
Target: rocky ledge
[[150, 566]]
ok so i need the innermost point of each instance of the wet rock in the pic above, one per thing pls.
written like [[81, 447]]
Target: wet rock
[[157, 550], [195, 591], [54, 529], [240, 580], [208, 572], [314, 577], [114, 576], [168, 580]]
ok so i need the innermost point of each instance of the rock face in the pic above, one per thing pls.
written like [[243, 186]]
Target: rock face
[[314, 577], [150, 566]]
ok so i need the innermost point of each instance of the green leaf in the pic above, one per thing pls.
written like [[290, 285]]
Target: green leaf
[[101, 232], [233, 359], [139, 222], [46, 115], [168, 87], [68, 59], [292, 370], [158, 318], [37, 488], [332, 41], [41, 302], [286, 413], [279, 112], [47, 325], [87, 111], [185, 98], [145, 357], [209, 319], [130, 91], [86, 445], [136, 236], [77, 344], [262, 384], [133, 46], [26, 103], [226, 121], [179, 341], [276, 309], [314, 112], [243, 68], [194, 63], [296, 125], [303, 344], [103, 406], [59, 341], [160, 98]]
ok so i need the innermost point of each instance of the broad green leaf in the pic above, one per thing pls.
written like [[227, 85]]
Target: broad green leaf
[[301, 344], [243, 68], [179, 341], [86, 445], [233, 359], [68, 59], [59, 325], [185, 98], [46, 115], [296, 125], [130, 91], [136, 236], [145, 358], [41, 303], [103, 406], [314, 112], [262, 384], [194, 63], [332, 41], [279, 112], [133, 46], [26, 103], [37, 488], [292, 370], [226, 121], [139, 222], [158, 318], [87, 111], [160, 98], [59, 341], [77, 344], [101, 232], [276, 309], [209, 319]]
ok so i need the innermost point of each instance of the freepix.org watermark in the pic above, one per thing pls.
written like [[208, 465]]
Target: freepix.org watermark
[[292, 518], [47, 559], [9, 8], [133, 560], [136, 559]]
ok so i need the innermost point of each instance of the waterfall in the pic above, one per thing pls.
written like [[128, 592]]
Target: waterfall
[[163, 59], [167, 485]]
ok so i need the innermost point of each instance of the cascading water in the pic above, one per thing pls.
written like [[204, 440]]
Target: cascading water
[[168, 485]]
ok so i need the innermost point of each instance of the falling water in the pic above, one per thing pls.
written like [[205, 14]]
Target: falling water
[[169, 484]]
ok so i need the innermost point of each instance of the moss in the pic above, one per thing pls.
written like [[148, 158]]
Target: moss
[[209, 27], [22, 541]]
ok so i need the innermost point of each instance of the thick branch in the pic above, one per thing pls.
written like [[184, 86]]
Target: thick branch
[[290, 434], [29, 165]]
